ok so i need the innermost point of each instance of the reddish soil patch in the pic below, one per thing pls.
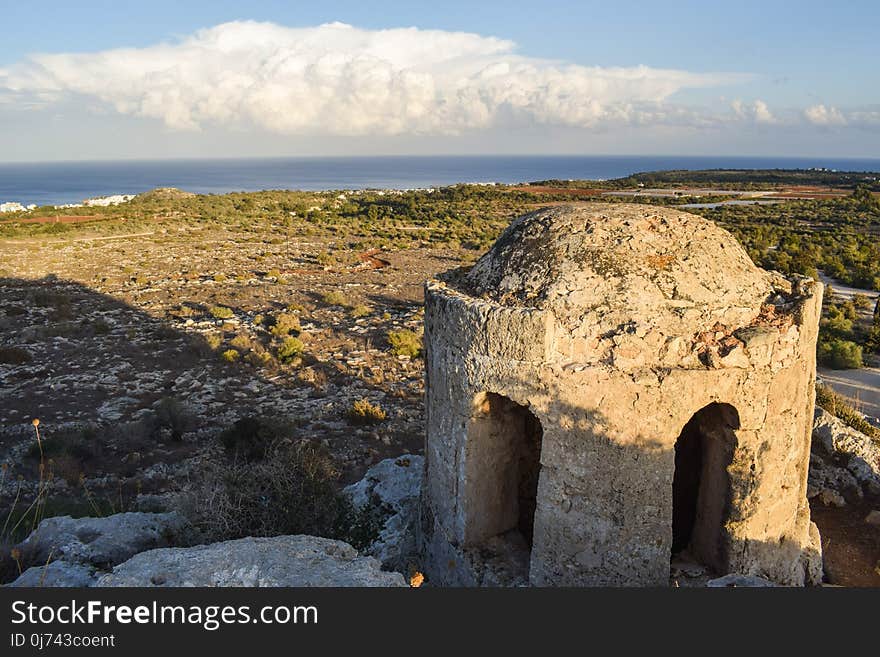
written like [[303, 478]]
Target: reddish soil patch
[[809, 191], [370, 261], [850, 546]]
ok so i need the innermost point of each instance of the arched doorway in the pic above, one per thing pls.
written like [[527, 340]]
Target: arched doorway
[[502, 463], [701, 485]]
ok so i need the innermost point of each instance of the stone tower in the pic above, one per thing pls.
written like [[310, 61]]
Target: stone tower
[[612, 386]]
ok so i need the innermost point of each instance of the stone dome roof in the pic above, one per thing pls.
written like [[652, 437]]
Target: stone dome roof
[[606, 265]]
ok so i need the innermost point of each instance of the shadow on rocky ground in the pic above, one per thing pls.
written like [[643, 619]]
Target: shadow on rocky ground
[[130, 402]]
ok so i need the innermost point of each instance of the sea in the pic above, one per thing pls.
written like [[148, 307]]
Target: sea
[[59, 183]]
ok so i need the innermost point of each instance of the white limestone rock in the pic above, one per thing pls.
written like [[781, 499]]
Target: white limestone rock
[[56, 574], [103, 542], [739, 581], [277, 561], [861, 454], [394, 487]]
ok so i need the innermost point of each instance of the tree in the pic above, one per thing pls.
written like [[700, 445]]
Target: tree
[[840, 354], [865, 199]]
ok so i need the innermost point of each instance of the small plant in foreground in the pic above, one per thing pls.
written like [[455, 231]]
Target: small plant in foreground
[[292, 490], [251, 437], [290, 350], [363, 412], [335, 298], [285, 324], [405, 343], [221, 312], [361, 310]]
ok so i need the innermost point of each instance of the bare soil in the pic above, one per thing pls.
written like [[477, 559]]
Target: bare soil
[[850, 546]]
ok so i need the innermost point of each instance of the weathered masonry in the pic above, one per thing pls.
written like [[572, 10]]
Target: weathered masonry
[[611, 387]]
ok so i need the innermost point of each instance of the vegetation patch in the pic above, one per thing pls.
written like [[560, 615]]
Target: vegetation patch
[[290, 350], [405, 343], [14, 356], [840, 407], [363, 412], [221, 312], [334, 298], [291, 489]]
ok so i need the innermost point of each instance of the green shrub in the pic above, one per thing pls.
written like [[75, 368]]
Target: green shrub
[[290, 349], [251, 437], [230, 355], [360, 310], [242, 342], [78, 442], [293, 490], [405, 343], [334, 298], [840, 354], [174, 415], [221, 312], [285, 324], [363, 412], [259, 358]]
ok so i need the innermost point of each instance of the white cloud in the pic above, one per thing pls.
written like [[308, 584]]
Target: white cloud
[[865, 117], [757, 111], [335, 79], [824, 116]]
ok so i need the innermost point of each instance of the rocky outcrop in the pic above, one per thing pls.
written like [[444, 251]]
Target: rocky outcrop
[[102, 542], [392, 487], [278, 561], [57, 573], [844, 463], [739, 581]]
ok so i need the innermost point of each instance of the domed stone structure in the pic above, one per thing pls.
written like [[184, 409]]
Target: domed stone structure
[[609, 388]]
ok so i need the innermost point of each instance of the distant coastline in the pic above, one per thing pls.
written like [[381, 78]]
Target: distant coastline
[[72, 182]]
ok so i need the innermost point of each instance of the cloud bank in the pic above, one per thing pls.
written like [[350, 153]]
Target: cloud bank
[[757, 111], [336, 79], [824, 116]]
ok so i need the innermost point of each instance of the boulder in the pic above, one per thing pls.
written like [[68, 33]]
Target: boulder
[[103, 542], [393, 487], [57, 573], [826, 476], [739, 581], [855, 451], [277, 561]]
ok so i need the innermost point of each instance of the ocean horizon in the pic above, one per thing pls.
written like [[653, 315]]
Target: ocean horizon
[[57, 183]]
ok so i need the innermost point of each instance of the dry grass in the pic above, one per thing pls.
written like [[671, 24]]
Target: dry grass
[[363, 412], [840, 407]]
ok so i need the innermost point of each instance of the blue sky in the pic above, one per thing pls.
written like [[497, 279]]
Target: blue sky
[[776, 78]]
